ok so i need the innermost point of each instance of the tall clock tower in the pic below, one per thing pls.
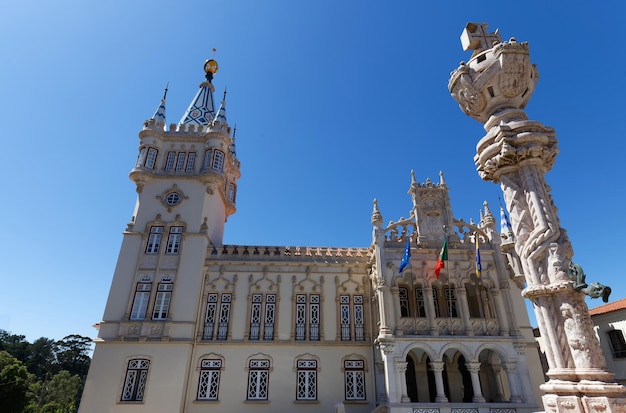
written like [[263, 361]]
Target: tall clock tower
[[186, 178]]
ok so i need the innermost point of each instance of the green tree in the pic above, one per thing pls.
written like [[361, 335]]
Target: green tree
[[72, 354], [14, 384], [41, 360]]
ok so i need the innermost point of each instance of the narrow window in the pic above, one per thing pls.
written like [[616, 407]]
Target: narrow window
[[209, 383], [352, 318], [258, 379], [191, 159], [436, 302], [451, 302], [232, 192], [255, 316], [154, 240], [300, 317], [403, 296], [140, 301], [419, 302], [307, 317], [142, 157], [314, 317], [180, 161], [162, 301], [135, 380], [217, 316], [207, 159], [173, 240], [354, 376], [169, 163], [306, 380], [270, 314], [617, 343], [359, 325], [218, 160], [151, 158]]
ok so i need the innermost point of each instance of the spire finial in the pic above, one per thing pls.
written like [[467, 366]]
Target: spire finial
[[224, 98], [165, 92], [377, 218], [442, 181]]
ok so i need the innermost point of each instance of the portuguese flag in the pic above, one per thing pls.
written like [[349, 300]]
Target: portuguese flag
[[443, 256]]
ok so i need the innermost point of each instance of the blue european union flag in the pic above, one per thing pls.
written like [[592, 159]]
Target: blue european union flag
[[406, 257]]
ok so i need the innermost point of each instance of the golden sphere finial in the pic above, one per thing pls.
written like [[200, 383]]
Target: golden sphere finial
[[210, 66]]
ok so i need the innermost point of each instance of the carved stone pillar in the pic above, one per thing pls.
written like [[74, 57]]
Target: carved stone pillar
[[497, 371], [461, 294], [493, 87], [501, 314], [395, 298], [437, 367], [474, 368], [430, 310], [386, 348], [401, 380], [514, 384], [381, 291]]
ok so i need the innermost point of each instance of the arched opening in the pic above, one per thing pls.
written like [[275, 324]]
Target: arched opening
[[494, 383], [420, 379], [456, 378]]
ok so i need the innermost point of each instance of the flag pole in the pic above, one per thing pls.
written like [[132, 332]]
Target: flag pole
[[446, 292]]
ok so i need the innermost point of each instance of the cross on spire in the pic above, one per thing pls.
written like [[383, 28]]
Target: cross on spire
[[476, 37]]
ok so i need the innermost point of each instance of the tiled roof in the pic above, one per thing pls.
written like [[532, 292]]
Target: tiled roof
[[607, 308]]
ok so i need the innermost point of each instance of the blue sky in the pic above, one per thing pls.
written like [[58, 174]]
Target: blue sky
[[334, 101]]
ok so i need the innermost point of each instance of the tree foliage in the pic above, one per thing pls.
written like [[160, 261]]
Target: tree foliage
[[45, 376]]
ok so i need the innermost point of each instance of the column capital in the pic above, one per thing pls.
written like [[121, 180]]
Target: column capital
[[473, 366], [510, 366], [401, 366], [437, 366]]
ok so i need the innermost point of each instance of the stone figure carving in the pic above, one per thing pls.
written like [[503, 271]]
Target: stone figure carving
[[595, 290]]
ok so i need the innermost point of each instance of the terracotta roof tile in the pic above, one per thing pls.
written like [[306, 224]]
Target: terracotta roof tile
[[607, 308]]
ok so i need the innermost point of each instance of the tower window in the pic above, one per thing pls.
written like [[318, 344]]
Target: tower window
[[173, 240], [180, 161], [154, 240], [191, 159], [232, 192], [262, 315], [140, 301], [162, 301], [151, 158], [169, 163], [218, 160]]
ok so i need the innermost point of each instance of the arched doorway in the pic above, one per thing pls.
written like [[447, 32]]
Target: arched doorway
[[494, 383], [420, 379]]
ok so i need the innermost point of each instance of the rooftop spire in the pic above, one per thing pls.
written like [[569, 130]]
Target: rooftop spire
[[159, 115], [221, 111], [201, 111]]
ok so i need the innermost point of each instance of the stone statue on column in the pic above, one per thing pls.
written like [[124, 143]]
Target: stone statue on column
[[493, 87]]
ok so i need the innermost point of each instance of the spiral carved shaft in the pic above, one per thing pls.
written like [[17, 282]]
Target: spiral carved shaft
[[493, 88]]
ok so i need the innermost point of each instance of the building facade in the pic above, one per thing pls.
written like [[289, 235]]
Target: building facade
[[193, 325], [610, 326]]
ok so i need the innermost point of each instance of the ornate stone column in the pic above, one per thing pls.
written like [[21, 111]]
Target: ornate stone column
[[474, 368], [497, 371], [493, 88], [437, 367], [430, 310], [401, 380], [461, 294], [501, 314], [514, 385]]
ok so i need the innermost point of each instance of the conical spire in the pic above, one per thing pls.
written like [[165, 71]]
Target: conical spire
[[159, 115], [221, 112], [505, 224], [201, 111]]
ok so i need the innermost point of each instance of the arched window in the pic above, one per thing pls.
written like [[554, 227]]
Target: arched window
[[218, 160]]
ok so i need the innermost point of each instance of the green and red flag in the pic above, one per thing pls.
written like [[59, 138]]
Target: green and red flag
[[443, 256]]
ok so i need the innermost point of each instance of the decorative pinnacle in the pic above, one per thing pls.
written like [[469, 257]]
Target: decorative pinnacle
[[210, 68], [377, 218]]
